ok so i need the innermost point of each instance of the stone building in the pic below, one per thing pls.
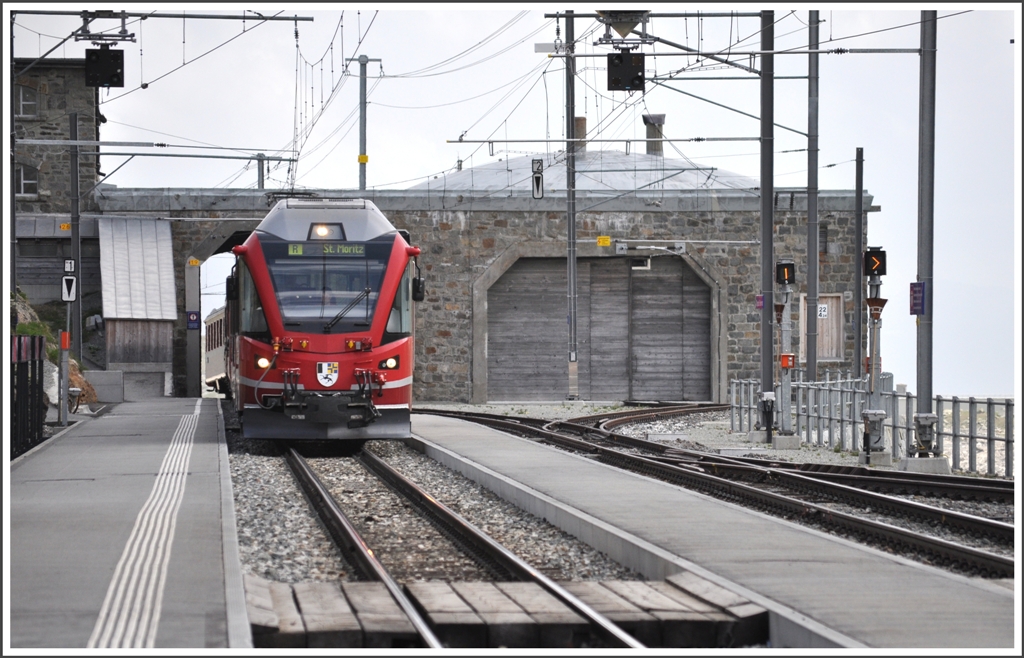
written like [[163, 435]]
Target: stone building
[[482, 250], [44, 99], [668, 263]]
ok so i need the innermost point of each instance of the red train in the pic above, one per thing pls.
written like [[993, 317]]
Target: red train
[[320, 323]]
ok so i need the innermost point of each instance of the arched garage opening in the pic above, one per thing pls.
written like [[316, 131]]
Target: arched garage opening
[[644, 328]]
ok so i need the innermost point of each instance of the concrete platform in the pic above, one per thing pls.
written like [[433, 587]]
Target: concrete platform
[[820, 591], [122, 533]]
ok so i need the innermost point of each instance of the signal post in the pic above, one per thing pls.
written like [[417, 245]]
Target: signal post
[[785, 276], [873, 451]]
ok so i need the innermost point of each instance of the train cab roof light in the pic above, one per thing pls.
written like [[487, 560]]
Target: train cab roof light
[[326, 232]]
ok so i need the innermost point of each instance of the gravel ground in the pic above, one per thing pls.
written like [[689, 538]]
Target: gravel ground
[[280, 538], [557, 554]]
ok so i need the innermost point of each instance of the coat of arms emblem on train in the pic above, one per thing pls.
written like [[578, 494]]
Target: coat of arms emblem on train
[[327, 372]]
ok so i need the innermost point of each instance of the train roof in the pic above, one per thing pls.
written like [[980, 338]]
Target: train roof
[[290, 219], [217, 311]]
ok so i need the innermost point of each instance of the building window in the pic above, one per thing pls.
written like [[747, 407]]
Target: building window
[[26, 101], [26, 180], [830, 327]]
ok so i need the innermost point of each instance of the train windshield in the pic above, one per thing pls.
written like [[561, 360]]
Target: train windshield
[[327, 286]]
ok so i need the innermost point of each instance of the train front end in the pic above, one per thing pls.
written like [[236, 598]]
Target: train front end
[[320, 309]]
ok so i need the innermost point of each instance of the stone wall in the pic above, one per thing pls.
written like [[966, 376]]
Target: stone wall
[[60, 88], [463, 237]]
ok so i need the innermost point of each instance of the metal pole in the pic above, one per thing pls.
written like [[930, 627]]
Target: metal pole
[[261, 161], [14, 178], [363, 158], [76, 245], [767, 217], [813, 247], [926, 230], [570, 195], [858, 270]]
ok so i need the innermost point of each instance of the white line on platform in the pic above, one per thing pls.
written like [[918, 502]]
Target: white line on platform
[[131, 610]]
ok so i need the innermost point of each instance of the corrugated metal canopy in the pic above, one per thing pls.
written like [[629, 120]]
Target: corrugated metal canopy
[[137, 266]]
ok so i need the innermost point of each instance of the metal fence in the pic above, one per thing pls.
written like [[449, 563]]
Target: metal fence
[[28, 409], [971, 431]]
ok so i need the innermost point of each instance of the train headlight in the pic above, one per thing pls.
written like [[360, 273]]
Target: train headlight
[[262, 362], [390, 363]]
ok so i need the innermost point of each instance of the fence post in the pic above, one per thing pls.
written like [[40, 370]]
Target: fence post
[[956, 433], [908, 418], [972, 424], [939, 425], [990, 410], [1008, 437], [732, 406]]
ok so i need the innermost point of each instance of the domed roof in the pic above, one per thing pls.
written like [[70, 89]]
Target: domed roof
[[603, 171]]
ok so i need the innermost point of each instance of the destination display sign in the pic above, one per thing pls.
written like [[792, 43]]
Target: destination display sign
[[325, 249]]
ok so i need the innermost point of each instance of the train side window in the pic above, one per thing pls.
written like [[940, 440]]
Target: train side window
[[252, 321], [400, 319]]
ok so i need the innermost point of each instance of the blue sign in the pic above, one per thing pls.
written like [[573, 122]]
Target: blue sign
[[917, 298], [192, 319]]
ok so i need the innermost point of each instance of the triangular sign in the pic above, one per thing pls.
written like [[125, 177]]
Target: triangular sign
[[538, 186], [69, 288]]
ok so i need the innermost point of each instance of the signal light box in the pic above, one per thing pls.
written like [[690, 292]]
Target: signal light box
[[874, 262], [785, 272], [104, 67], [625, 71]]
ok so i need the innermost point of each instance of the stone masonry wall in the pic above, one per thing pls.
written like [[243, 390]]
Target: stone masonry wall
[[460, 244], [60, 88]]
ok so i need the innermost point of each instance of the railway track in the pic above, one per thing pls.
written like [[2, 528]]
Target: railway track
[[499, 561], [803, 496]]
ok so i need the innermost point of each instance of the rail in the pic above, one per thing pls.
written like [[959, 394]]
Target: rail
[[352, 545], [470, 536], [973, 432]]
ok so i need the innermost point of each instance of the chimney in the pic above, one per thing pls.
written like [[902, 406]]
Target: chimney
[[655, 130], [581, 133]]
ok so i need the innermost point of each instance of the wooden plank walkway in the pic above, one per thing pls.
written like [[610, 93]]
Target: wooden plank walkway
[[685, 611]]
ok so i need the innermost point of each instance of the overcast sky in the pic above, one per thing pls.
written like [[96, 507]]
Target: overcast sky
[[456, 70]]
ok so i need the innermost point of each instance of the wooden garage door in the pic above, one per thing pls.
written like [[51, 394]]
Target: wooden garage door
[[641, 334]]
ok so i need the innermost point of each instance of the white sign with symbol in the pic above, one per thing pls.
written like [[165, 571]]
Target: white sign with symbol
[[538, 179], [69, 265], [327, 373], [68, 288], [823, 310]]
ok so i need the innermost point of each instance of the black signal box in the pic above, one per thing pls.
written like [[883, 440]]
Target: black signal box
[[104, 67], [625, 71], [785, 273], [874, 262]]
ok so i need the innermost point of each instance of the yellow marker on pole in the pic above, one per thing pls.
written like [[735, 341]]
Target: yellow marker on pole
[[363, 158]]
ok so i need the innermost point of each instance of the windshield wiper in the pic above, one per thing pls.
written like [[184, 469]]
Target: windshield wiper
[[365, 293]]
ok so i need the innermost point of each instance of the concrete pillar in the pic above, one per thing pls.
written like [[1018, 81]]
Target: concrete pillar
[[193, 342]]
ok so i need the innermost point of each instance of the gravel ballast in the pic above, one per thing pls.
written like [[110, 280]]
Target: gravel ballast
[[280, 538]]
